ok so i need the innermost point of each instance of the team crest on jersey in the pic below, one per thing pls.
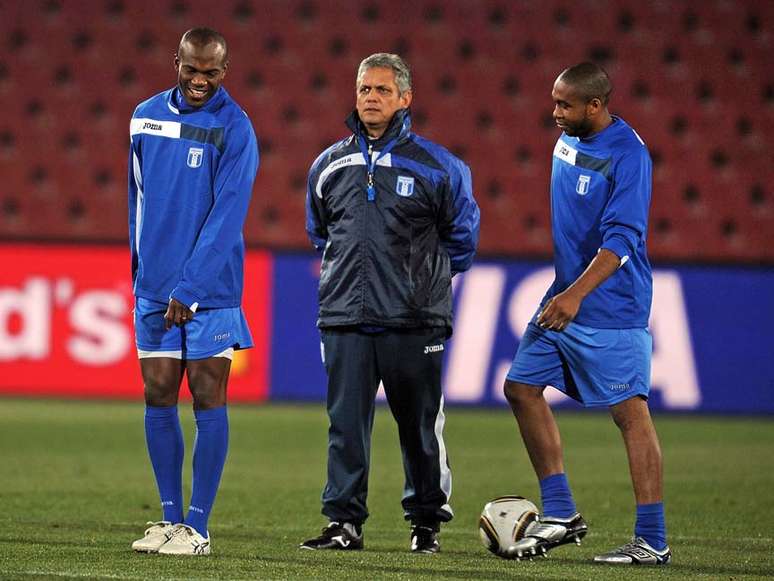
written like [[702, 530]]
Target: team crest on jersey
[[582, 187], [195, 155], [405, 186]]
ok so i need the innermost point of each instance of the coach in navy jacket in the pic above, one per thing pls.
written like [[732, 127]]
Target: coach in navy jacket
[[388, 257], [395, 219]]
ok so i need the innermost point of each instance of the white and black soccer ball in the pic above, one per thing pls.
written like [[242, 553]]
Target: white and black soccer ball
[[504, 521]]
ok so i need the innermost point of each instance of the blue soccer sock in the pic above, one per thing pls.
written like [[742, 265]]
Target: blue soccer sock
[[556, 497], [166, 448], [650, 524], [209, 458]]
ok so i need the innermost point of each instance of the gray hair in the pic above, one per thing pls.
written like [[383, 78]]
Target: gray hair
[[388, 61]]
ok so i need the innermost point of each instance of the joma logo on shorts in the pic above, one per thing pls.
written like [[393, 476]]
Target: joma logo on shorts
[[222, 336], [619, 386], [433, 348]]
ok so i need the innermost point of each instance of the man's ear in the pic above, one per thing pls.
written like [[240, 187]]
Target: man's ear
[[406, 98], [595, 104]]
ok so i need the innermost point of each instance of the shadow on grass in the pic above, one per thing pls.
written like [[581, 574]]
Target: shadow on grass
[[684, 570], [434, 567]]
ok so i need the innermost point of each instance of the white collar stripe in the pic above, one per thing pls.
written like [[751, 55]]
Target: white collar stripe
[[155, 127], [565, 152], [351, 159]]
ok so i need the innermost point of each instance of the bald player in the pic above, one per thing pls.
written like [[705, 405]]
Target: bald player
[[589, 336], [192, 162]]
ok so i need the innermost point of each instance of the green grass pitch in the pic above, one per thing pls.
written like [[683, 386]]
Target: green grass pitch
[[76, 488]]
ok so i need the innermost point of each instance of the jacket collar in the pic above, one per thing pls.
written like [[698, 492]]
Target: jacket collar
[[178, 104], [399, 127]]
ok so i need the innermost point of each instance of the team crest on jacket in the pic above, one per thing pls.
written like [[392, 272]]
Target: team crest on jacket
[[582, 187], [405, 186], [195, 155]]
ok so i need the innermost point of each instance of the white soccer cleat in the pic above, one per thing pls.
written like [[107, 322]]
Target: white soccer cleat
[[547, 533], [184, 540], [637, 552], [155, 536]]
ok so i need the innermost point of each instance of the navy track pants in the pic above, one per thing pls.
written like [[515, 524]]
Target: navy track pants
[[408, 362]]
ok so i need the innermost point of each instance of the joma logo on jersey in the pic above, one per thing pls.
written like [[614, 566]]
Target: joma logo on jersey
[[619, 386], [222, 336], [195, 155], [433, 348], [582, 187], [152, 126], [405, 186]]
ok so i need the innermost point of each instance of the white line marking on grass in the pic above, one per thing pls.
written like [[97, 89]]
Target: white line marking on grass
[[74, 575]]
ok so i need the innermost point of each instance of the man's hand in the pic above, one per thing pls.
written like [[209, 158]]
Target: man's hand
[[177, 314], [562, 309], [559, 311]]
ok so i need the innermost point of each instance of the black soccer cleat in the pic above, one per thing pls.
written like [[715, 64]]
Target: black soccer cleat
[[337, 536], [547, 533], [424, 540]]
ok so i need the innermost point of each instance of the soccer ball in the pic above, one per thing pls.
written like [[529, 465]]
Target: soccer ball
[[504, 521]]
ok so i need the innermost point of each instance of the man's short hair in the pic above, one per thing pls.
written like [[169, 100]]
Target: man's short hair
[[202, 36], [589, 80], [387, 60]]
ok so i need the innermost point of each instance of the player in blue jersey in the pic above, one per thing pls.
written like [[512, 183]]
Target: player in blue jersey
[[395, 219], [589, 337], [192, 162]]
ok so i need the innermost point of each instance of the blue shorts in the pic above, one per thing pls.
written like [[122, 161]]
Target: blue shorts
[[597, 367], [209, 333]]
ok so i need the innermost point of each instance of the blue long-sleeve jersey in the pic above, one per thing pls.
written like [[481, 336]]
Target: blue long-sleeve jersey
[[600, 196], [191, 174]]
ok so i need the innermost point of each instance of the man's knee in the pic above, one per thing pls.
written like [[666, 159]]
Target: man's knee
[[161, 379], [631, 414], [519, 394], [207, 381], [160, 391]]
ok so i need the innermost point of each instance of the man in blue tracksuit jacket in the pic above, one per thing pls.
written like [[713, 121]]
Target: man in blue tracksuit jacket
[[192, 163], [395, 219], [590, 337]]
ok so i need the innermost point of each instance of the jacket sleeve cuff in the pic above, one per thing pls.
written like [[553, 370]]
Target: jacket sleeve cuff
[[185, 296], [618, 245]]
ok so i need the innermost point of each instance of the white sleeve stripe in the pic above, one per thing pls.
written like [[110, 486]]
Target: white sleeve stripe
[[138, 210]]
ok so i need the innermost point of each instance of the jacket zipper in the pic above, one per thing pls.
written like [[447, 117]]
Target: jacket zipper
[[371, 189]]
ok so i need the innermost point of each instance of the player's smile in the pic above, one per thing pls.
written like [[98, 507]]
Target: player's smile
[[196, 93]]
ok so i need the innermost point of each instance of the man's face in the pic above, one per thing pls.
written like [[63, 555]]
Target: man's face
[[378, 98], [571, 112], [200, 71]]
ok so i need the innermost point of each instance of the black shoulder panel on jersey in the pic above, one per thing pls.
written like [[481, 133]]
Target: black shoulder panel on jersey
[[594, 164], [213, 136]]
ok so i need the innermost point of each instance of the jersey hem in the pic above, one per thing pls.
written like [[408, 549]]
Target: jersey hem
[[203, 304], [197, 354]]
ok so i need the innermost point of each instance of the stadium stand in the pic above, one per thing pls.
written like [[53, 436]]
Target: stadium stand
[[693, 77]]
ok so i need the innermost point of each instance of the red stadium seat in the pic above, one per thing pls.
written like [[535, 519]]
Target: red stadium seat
[[693, 79]]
